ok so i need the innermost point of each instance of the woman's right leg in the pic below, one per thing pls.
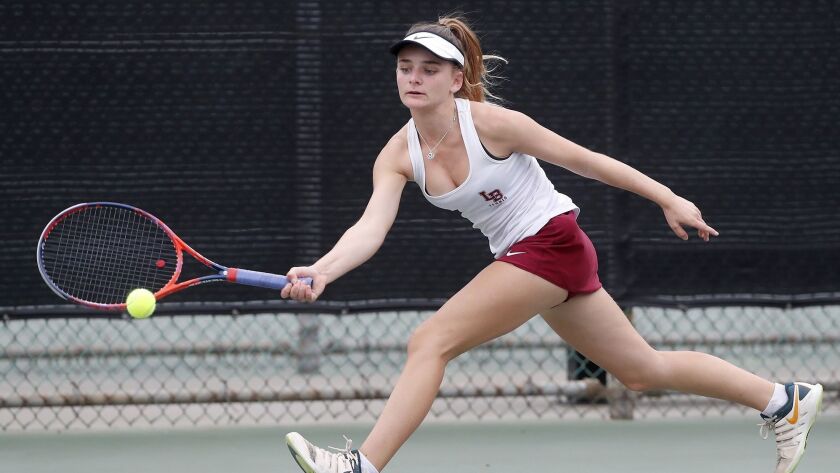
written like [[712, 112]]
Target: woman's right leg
[[596, 326], [499, 299]]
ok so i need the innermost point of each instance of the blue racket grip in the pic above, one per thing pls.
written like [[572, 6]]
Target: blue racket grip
[[260, 279]]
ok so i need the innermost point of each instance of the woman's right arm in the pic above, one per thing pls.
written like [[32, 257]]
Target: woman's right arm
[[361, 241]]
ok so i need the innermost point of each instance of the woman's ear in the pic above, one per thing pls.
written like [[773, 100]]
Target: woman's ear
[[457, 80]]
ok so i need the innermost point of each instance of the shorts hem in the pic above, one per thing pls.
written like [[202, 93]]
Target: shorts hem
[[570, 292], [531, 271]]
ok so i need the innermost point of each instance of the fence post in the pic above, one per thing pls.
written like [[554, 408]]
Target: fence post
[[309, 350]]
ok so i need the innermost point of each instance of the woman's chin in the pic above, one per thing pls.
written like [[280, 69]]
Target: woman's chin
[[416, 102]]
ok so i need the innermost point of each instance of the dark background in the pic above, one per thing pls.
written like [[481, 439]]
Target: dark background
[[251, 129]]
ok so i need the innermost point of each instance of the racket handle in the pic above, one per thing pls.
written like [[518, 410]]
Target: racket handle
[[260, 279]]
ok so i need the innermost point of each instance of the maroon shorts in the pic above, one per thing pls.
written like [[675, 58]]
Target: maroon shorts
[[559, 253]]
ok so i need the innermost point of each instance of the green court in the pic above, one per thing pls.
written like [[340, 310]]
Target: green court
[[686, 446]]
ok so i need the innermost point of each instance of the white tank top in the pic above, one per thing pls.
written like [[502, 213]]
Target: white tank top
[[507, 199]]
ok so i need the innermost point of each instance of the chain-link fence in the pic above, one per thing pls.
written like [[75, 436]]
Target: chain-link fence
[[61, 373]]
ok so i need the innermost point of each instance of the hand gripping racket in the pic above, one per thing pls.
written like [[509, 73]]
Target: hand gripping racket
[[95, 253]]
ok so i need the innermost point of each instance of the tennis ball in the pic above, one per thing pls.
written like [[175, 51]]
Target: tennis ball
[[140, 303]]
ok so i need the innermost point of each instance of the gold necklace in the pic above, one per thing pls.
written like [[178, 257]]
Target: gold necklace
[[431, 154]]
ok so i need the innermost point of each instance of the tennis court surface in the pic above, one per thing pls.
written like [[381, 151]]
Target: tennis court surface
[[720, 445]]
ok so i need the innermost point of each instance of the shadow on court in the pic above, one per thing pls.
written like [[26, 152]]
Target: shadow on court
[[569, 446]]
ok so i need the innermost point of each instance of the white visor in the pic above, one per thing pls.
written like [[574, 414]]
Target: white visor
[[434, 43]]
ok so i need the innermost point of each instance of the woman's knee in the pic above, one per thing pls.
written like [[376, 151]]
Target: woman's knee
[[430, 340], [646, 374]]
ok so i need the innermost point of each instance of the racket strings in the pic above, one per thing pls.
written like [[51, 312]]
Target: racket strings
[[101, 253]]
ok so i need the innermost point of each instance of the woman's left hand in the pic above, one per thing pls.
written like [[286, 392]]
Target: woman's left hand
[[679, 212]]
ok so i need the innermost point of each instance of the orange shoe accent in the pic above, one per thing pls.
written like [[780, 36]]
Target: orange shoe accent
[[795, 417]]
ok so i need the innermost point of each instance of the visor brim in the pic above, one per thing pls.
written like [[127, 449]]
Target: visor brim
[[433, 47]]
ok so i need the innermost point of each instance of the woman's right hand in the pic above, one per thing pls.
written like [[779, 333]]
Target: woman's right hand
[[301, 292]]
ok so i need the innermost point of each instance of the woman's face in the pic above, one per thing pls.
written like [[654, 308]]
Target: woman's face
[[425, 80]]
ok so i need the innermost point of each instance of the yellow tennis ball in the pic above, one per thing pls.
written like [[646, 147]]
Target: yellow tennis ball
[[140, 303]]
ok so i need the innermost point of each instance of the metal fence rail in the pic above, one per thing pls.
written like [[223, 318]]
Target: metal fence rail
[[269, 368]]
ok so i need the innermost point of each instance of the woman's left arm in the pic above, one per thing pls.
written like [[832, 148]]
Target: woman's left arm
[[514, 131]]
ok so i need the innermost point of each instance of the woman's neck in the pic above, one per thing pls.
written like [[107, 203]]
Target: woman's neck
[[434, 122]]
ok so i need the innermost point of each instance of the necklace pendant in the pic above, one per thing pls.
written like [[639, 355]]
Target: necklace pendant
[[430, 155]]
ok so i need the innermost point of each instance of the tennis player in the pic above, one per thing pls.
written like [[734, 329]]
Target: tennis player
[[478, 158]]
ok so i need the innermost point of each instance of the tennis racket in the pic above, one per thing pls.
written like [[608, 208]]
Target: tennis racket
[[95, 253]]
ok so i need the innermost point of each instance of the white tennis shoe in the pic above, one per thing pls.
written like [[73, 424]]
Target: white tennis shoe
[[792, 429], [312, 459]]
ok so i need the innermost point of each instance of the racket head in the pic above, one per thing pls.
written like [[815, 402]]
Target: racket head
[[95, 253]]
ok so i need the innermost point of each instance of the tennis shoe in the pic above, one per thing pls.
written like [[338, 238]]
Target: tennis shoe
[[312, 459], [793, 423]]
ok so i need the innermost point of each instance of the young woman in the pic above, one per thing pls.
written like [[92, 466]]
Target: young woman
[[478, 158]]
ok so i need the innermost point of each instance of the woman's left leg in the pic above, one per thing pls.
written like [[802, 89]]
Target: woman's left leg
[[597, 327], [499, 299]]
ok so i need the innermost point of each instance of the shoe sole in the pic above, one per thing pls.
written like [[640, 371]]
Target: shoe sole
[[291, 439], [810, 426]]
